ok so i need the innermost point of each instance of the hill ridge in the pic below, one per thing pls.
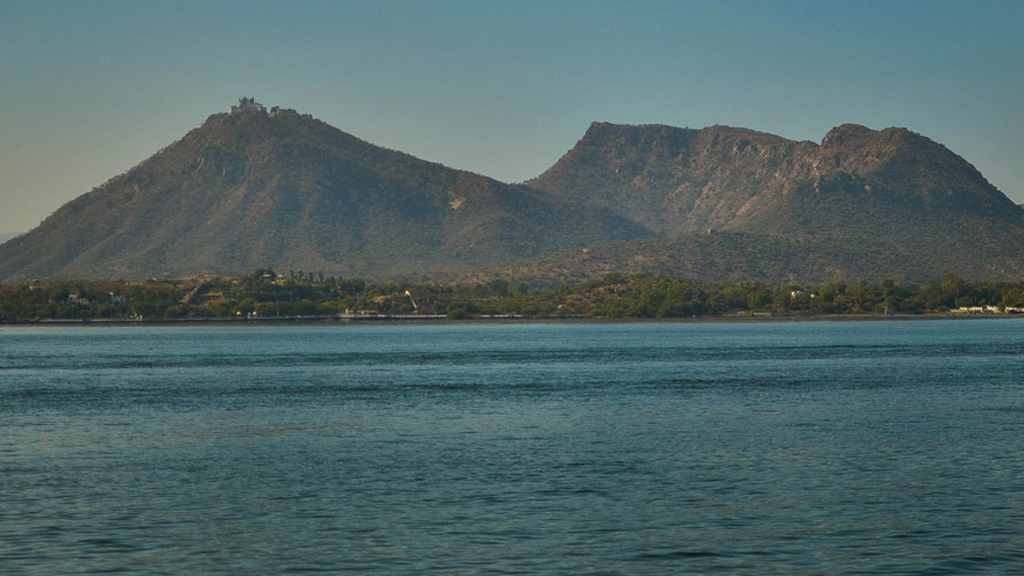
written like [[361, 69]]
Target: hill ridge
[[257, 189], [684, 180]]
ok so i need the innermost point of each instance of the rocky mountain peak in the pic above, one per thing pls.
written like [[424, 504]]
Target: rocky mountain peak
[[846, 134], [677, 181]]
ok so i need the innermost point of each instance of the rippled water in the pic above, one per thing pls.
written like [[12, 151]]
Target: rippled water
[[782, 448]]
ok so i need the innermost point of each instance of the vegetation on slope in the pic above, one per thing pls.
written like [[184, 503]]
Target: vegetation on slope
[[733, 257]]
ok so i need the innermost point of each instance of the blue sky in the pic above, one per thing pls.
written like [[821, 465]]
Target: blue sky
[[89, 89]]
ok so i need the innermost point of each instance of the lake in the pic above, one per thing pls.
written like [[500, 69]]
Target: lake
[[874, 447]]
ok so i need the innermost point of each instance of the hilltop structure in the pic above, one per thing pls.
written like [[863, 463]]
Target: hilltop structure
[[247, 105]]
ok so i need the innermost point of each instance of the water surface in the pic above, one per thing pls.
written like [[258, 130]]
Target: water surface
[[781, 448]]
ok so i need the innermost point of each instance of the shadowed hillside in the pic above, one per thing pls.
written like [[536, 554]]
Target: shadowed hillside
[[737, 256]]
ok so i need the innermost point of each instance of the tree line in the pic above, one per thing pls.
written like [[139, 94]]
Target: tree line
[[266, 294]]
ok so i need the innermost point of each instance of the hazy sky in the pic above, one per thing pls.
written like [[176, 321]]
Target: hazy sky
[[89, 89]]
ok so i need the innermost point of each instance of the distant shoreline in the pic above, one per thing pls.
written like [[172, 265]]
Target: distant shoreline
[[440, 319]]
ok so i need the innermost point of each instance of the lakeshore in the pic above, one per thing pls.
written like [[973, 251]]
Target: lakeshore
[[503, 319], [264, 297]]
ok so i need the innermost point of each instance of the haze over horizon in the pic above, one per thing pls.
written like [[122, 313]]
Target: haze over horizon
[[502, 89]]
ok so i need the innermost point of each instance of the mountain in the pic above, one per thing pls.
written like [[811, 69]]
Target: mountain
[[260, 188], [863, 203], [278, 189], [676, 180], [6, 237]]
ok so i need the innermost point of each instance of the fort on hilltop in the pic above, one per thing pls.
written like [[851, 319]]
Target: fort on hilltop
[[247, 105]]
